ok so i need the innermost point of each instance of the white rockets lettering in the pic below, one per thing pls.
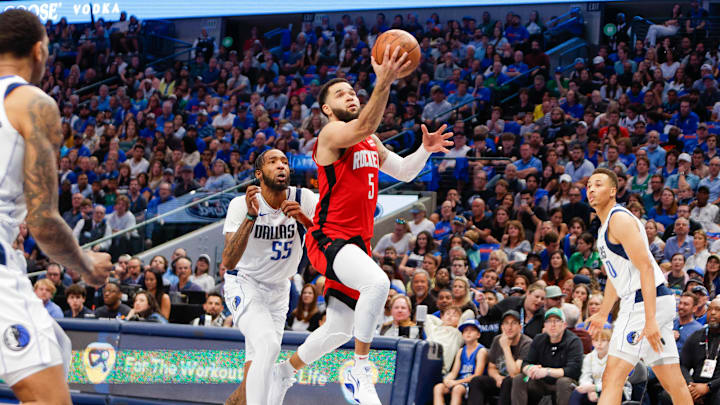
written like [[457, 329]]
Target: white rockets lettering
[[366, 158]]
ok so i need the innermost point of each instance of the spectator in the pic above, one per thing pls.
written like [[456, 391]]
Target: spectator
[[202, 275], [700, 257], [54, 273], [76, 302], [572, 316], [214, 315], [92, 229], [677, 277], [507, 352], [593, 366], [585, 256], [134, 273], [153, 283], [442, 328], [401, 324], [112, 298], [530, 307], [221, 179], [306, 316], [185, 183], [470, 362], [420, 222], [697, 350], [558, 272], [680, 243], [420, 288], [183, 268], [145, 308], [553, 364], [712, 181], [399, 238], [45, 290], [685, 324], [707, 215]]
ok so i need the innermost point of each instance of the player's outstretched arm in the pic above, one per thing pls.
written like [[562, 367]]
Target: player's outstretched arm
[[39, 124], [624, 229], [338, 134], [407, 168]]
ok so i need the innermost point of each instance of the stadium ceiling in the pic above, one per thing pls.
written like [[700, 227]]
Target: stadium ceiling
[[79, 11]]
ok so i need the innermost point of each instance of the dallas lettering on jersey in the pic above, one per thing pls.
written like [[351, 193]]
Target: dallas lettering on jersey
[[274, 232], [365, 158]]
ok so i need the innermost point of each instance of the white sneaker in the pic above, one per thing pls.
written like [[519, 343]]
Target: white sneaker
[[358, 382], [278, 386]]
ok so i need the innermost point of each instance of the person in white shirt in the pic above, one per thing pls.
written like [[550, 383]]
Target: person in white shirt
[[420, 222], [202, 275], [138, 163], [703, 213], [90, 230], [458, 151], [593, 367], [399, 238], [225, 119]]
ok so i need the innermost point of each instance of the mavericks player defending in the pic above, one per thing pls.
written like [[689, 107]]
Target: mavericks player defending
[[263, 246], [33, 348], [643, 329], [349, 156]]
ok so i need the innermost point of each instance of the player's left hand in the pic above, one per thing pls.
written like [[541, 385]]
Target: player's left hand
[[651, 332], [292, 209], [436, 141]]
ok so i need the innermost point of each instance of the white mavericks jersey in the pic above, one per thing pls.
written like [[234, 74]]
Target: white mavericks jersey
[[275, 245], [620, 271], [12, 155]]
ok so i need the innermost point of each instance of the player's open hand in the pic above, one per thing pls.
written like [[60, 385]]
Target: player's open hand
[[253, 206], [101, 267], [391, 65], [595, 323], [651, 332], [437, 141]]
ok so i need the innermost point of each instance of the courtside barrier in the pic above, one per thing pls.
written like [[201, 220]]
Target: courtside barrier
[[117, 362]]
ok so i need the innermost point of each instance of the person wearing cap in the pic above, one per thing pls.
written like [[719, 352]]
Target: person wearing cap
[[684, 174], [554, 297], [470, 362], [443, 227], [700, 313], [420, 222], [507, 352], [185, 182], [202, 275], [553, 364]]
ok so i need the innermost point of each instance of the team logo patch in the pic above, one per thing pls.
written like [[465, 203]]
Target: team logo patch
[[633, 338], [16, 337], [99, 360], [237, 301]]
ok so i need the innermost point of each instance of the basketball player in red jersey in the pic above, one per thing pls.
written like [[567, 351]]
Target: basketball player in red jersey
[[349, 155]]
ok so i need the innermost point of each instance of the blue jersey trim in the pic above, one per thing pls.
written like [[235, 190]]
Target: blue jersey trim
[[616, 248], [12, 87]]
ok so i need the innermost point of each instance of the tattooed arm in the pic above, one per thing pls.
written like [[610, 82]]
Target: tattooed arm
[[37, 117]]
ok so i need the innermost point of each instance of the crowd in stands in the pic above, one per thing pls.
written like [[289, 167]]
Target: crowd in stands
[[506, 266]]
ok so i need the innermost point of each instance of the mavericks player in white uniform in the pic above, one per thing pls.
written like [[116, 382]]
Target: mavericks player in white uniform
[[34, 351], [643, 329], [264, 236]]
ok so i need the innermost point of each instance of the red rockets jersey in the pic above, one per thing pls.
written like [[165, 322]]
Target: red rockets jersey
[[348, 193]]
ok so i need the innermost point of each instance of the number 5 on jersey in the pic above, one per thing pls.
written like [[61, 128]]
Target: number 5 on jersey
[[281, 250], [371, 193]]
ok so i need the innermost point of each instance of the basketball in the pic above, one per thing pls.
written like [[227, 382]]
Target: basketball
[[405, 41]]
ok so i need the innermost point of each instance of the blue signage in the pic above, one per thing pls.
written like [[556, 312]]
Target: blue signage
[[77, 11]]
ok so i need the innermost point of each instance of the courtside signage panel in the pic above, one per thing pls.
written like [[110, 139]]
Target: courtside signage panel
[[79, 11]]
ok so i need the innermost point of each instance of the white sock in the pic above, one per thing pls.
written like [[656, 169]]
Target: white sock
[[361, 361], [287, 370]]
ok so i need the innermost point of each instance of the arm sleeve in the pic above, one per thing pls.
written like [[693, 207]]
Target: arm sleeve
[[235, 214], [407, 168]]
